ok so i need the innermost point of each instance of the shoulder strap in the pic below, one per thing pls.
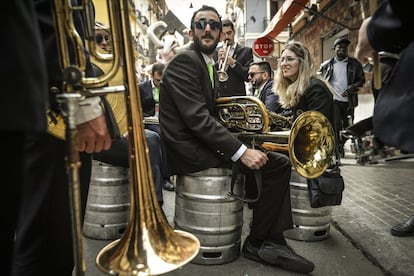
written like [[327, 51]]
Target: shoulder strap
[[234, 174]]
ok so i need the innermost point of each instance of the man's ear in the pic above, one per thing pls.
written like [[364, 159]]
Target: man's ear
[[190, 34]]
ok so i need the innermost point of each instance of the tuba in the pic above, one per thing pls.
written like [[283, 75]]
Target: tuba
[[309, 140], [149, 246]]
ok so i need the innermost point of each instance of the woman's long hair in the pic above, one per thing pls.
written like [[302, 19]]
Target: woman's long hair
[[290, 92]]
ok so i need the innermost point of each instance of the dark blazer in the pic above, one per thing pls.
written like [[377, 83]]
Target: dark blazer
[[390, 30], [194, 139], [238, 75], [23, 71], [269, 98], [147, 98]]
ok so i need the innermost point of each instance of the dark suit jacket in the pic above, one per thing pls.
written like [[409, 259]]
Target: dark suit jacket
[[235, 85], [147, 98], [23, 71], [269, 98], [194, 139], [390, 30]]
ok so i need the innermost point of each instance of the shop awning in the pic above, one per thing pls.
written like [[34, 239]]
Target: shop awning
[[283, 17]]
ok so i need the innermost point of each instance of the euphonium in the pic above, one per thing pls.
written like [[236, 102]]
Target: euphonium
[[222, 74], [309, 140], [149, 246]]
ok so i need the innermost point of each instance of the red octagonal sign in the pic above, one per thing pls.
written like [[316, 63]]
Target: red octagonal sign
[[263, 47]]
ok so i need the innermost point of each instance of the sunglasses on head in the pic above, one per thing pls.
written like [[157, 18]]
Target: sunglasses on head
[[100, 38], [202, 24]]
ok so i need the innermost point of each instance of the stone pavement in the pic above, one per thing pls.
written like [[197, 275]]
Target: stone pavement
[[359, 240]]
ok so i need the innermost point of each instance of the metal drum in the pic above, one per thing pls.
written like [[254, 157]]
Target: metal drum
[[107, 208], [203, 208], [309, 224]]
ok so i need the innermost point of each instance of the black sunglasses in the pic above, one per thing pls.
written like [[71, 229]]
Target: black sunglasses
[[100, 38], [252, 74], [202, 24]]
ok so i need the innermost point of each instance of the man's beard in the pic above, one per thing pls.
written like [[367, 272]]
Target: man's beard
[[208, 50]]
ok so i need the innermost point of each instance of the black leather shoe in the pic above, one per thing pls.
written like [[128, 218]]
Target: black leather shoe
[[251, 252], [167, 185], [278, 255], [285, 257], [404, 229]]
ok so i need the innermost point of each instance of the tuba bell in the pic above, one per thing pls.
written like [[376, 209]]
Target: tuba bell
[[309, 140], [149, 245]]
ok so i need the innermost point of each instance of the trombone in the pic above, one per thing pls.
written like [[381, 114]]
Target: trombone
[[222, 74], [149, 246]]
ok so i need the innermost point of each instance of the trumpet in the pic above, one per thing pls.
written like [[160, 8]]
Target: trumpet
[[309, 140], [149, 246], [222, 74]]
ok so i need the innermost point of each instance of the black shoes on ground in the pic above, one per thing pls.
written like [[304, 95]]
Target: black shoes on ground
[[282, 256], [168, 185], [404, 229]]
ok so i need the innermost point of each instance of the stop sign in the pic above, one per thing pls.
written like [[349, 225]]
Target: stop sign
[[263, 47]]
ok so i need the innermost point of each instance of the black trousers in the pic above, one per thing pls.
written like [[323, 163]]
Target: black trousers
[[272, 213], [43, 238], [118, 155], [342, 112]]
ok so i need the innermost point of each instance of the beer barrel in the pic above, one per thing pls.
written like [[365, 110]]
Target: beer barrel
[[203, 208], [107, 207], [309, 224]]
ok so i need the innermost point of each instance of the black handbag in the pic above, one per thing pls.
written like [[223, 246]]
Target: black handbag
[[327, 189]]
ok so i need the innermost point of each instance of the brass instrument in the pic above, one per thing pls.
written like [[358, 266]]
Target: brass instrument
[[309, 140], [149, 246], [222, 74]]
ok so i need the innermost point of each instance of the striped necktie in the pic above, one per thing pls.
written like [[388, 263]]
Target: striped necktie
[[211, 73]]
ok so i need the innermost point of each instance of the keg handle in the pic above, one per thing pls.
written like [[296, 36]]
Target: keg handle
[[257, 176]]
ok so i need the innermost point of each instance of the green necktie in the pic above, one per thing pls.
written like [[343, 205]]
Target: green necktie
[[156, 94], [211, 73]]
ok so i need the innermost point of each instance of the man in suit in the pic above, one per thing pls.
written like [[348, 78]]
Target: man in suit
[[389, 29], [237, 63], [149, 91], [196, 141], [260, 76]]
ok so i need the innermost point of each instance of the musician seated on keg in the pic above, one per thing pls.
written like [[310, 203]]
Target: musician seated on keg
[[196, 141], [260, 76], [149, 92], [237, 59], [298, 87], [118, 154]]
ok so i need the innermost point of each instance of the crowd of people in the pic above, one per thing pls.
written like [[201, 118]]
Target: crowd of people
[[188, 137]]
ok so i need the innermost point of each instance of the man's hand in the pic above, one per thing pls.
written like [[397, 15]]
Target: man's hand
[[254, 159], [363, 50], [93, 136]]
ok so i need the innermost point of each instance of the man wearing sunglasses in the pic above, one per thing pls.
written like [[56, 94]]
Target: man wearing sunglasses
[[237, 62], [103, 37], [196, 141], [260, 76]]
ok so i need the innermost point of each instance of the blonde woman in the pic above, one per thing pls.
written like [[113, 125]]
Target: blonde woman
[[298, 87]]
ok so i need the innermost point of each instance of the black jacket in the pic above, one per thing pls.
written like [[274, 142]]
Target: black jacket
[[355, 73], [193, 137], [390, 30]]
